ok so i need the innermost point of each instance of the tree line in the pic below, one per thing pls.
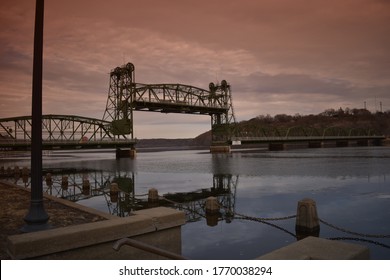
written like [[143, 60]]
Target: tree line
[[345, 118]]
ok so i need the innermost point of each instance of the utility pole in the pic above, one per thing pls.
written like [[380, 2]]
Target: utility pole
[[36, 218]]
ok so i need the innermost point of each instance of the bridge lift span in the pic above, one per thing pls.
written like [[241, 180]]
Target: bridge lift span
[[126, 96]]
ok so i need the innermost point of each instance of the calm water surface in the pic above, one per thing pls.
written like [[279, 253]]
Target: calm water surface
[[350, 186]]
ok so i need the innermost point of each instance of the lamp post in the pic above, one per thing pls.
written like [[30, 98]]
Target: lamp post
[[36, 218]]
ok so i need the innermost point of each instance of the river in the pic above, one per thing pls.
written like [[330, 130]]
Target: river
[[351, 187]]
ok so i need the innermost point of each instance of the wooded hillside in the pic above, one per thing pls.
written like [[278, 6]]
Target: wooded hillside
[[342, 118]]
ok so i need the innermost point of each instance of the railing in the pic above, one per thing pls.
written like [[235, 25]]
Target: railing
[[147, 248], [304, 138]]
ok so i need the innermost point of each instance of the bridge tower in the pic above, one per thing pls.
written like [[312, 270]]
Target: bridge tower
[[222, 124], [120, 94], [126, 96]]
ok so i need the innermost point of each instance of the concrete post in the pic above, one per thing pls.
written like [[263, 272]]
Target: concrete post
[[16, 171], [114, 191], [152, 195], [64, 183], [86, 187], [212, 205], [25, 174], [25, 171], [307, 222], [49, 180], [212, 219]]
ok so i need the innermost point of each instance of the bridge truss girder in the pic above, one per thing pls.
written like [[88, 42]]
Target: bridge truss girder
[[301, 131], [56, 128], [125, 96]]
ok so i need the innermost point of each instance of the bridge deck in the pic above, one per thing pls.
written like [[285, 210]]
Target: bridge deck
[[177, 107], [67, 145]]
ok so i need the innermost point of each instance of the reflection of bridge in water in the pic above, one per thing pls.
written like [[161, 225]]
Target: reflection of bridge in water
[[125, 96], [76, 185], [87, 184]]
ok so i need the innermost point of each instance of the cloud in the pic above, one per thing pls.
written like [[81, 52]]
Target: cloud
[[279, 57]]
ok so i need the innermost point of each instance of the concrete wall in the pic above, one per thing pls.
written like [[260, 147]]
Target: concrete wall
[[314, 248], [160, 227]]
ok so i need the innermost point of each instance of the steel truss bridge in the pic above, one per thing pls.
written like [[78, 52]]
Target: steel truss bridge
[[306, 134], [116, 128]]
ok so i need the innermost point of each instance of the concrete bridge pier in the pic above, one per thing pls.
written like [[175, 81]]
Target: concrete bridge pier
[[363, 142], [378, 142], [215, 149], [315, 144], [126, 153], [342, 143], [279, 146]]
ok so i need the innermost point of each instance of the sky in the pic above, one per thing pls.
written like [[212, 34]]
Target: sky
[[279, 56]]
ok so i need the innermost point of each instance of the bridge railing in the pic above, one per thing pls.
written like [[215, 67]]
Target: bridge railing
[[305, 138]]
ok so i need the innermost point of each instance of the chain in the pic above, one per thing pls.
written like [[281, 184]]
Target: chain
[[168, 200], [259, 219], [267, 223], [140, 195], [361, 240], [355, 233], [264, 220]]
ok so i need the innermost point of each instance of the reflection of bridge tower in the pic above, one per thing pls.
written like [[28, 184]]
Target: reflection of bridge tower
[[118, 110], [226, 182], [193, 203]]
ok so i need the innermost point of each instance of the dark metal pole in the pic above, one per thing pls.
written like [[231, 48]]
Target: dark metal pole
[[36, 218]]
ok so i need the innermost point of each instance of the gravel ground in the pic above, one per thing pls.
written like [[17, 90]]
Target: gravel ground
[[14, 204]]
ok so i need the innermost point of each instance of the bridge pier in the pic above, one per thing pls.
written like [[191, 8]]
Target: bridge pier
[[342, 143], [378, 142], [220, 149], [279, 146], [315, 144], [363, 143], [126, 153]]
